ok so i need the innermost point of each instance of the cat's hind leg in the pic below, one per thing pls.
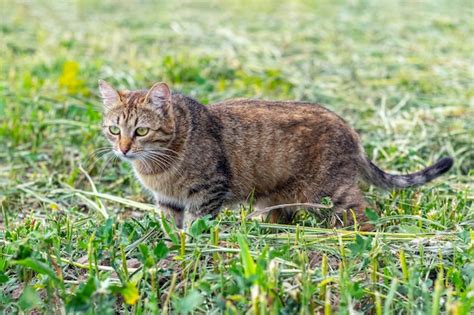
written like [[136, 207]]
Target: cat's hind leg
[[280, 215], [349, 202]]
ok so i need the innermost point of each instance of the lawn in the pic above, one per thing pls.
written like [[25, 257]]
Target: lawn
[[79, 235]]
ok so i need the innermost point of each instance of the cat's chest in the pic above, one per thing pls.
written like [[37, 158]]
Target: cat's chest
[[157, 183], [163, 186]]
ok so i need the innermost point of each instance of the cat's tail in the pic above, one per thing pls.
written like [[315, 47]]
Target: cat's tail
[[374, 175]]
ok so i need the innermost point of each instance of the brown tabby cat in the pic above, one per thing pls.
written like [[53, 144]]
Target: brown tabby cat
[[197, 159]]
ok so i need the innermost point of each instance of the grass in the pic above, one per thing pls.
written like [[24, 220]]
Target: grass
[[78, 235]]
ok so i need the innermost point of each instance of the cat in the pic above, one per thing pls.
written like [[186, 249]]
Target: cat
[[197, 159]]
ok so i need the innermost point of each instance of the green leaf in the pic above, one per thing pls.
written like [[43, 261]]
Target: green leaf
[[161, 251], [360, 245], [37, 266], [168, 231], [29, 299], [465, 236], [189, 303], [146, 258], [24, 251], [406, 228], [198, 227], [82, 296], [247, 261], [468, 272], [105, 232], [3, 277], [143, 250], [371, 215], [356, 290]]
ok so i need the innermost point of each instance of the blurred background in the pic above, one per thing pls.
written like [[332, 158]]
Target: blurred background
[[400, 72]]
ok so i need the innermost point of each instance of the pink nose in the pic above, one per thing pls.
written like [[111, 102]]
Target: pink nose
[[125, 150], [125, 146]]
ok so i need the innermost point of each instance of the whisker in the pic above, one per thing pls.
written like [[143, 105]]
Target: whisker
[[162, 163], [164, 160], [112, 159], [99, 151], [151, 159], [95, 156], [147, 164], [160, 150]]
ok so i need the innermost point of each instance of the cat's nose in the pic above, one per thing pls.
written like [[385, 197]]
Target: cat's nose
[[125, 146], [125, 150]]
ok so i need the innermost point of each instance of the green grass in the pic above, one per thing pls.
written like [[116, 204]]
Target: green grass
[[400, 73]]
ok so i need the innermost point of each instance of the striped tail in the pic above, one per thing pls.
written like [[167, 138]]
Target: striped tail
[[374, 175]]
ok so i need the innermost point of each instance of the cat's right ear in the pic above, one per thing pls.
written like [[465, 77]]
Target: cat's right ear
[[160, 94], [110, 96]]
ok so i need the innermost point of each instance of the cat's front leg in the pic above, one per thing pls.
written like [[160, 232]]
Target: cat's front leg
[[210, 204], [173, 212], [206, 198]]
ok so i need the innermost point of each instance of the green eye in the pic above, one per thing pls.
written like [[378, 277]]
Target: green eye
[[114, 130], [141, 131]]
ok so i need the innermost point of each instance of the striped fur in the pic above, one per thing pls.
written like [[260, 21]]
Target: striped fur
[[374, 175]]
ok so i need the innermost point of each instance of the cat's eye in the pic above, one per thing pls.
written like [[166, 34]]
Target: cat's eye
[[141, 131], [114, 130]]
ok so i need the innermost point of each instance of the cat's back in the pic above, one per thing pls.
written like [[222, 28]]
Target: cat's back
[[276, 113], [256, 106], [280, 123]]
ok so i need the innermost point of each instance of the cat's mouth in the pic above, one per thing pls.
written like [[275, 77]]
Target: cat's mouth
[[129, 156]]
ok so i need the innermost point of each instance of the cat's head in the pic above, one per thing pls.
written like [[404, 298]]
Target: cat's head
[[137, 123]]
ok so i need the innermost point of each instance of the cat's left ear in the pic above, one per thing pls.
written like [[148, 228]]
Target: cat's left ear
[[160, 94]]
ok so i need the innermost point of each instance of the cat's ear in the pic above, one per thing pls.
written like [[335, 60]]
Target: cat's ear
[[110, 96], [160, 94]]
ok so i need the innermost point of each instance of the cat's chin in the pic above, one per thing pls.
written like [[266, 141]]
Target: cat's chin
[[127, 158]]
